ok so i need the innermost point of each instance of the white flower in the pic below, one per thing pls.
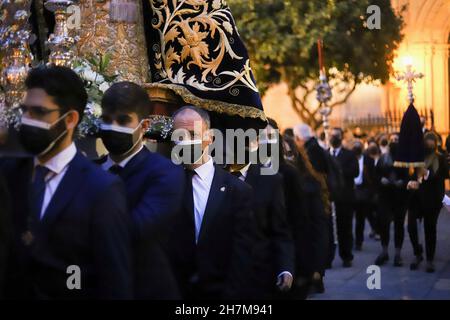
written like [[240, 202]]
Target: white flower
[[99, 79], [104, 86], [216, 4], [89, 75], [94, 109]]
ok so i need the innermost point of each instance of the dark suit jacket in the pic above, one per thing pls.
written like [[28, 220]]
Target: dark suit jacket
[[350, 169], [86, 224], [432, 190], [218, 266], [273, 250], [317, 155], [307, 220], [154, 188], [5, 231], [394, 191], [365, 191]]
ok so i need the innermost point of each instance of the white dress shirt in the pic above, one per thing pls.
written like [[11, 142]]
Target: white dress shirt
[[110, 162], [201, 185], [58, 166], [359, 178]]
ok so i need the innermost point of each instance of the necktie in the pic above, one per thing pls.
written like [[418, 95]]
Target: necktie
[[38, 190], [115, 169], [334, 153]]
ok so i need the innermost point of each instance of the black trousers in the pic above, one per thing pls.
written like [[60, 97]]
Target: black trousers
[[364, 209], [344, 225], [430, 219], [331, 243], [392, 209]]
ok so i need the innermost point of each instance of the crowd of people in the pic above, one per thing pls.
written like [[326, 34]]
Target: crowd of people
[[137, 226]]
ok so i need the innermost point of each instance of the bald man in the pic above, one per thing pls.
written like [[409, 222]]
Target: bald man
[[210, 246]]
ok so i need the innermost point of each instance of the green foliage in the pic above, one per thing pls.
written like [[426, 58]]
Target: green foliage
[[281, 37]]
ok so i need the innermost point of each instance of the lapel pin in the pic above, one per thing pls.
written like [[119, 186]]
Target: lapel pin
[[222, 189]]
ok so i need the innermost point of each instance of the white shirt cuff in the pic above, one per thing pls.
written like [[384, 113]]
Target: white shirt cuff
[[285, 272]]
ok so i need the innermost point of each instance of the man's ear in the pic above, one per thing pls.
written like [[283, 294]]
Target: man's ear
[[208, 136], [146, 124], [72, 119]]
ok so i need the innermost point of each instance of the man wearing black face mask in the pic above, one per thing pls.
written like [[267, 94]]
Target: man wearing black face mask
[[393, 200], [345, 203], [212, 237], [428, 204], [153, 183], [274, 249], [66, 211]]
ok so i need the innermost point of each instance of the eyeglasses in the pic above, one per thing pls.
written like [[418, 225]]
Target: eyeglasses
[[36, 111]]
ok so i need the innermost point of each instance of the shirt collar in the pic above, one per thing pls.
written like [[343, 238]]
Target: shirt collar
[[205, 170], [59, 162], [109, 162], [337, 150], [244, 170]]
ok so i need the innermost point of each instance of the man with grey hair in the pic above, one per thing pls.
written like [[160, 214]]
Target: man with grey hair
[[211, 240], [304, 138]]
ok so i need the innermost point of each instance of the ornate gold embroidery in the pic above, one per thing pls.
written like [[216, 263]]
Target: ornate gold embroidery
[[210, 105], [190, 24], [124, 41]]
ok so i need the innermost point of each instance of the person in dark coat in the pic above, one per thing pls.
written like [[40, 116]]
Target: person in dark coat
[[392, 202], [364, 192], [323, 164], [154, 188], [348, 165], [274, 249], [428, 207], [308, 209], [212, 236], [71, 237]]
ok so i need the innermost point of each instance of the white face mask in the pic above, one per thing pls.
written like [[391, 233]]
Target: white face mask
[[189, 148], [40, 124]]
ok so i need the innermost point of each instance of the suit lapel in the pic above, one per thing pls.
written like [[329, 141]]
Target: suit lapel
[[66, 190], [215, 199], [252, 175]]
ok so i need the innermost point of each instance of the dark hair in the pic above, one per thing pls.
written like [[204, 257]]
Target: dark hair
[[288, 132], [127, 96], [431, 136], [201, 112], [338, 129], [62, 84]]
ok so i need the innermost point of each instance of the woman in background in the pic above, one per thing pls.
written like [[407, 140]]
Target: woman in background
[[307, 207]]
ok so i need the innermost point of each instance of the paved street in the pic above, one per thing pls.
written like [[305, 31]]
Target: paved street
[[396, 283]]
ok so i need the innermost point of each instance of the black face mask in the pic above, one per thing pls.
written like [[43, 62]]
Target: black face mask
[[335, 141], [38, 137], [429, 150], [119, 140], [384, 143]]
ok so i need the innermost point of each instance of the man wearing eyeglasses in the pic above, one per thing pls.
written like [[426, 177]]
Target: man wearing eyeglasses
[[71, 225]]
